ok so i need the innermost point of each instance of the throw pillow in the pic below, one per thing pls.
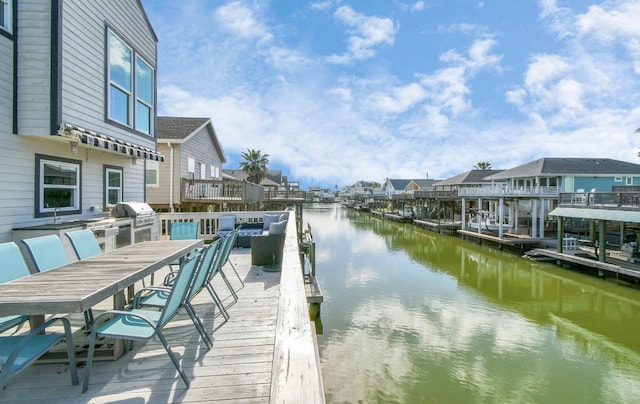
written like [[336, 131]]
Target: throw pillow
[[268, 219], [277, 228], [227, 223], [283, 216]]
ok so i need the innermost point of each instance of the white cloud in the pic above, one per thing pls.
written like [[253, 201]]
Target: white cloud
[[366, 34], [399, 100], [417, 6], [238, 18]]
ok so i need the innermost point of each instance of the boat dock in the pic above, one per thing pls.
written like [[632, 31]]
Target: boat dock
[[440, 227], [265, 353], [580, 257]]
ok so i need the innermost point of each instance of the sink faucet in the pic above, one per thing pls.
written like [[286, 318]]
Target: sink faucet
[[55, 216]]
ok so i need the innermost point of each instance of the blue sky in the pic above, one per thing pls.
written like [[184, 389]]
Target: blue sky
[[340, 91]]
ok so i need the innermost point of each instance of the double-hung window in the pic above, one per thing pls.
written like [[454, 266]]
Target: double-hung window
[[152, 172], [5, 14], [113, 185], [130, 86], [58, 188]]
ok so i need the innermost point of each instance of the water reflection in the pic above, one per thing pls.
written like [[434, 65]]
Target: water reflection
[[413, 316]]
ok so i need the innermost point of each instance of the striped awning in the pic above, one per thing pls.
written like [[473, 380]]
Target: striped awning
[[107, 143]]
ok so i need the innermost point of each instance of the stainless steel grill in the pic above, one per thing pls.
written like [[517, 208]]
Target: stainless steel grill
[[140, 212]]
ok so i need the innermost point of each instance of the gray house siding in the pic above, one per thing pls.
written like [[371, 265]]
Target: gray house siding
[[84, 61], [6, 85], [34, 71], [17, 203], [77, 88]]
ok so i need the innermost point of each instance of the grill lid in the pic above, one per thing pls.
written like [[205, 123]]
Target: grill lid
[[131, 209]]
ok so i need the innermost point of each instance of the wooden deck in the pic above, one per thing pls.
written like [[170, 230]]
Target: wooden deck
[[245, 359]]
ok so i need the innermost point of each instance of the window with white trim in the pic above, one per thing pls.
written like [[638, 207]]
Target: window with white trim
[[629, 180], [131, 86], [152, 172], [58, 188], [5, 14], [113, 185], [191, 167], [203, 171]]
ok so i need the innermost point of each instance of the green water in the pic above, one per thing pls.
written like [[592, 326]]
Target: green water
[[411, 316]]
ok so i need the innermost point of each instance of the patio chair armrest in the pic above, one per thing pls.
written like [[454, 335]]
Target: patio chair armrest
[[36, 333], [38, 330], [138, 295], [125, 313]]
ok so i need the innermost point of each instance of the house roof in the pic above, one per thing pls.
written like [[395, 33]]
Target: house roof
[[424, 183], [468, 178], [399, 184], [180, 129], [556, 166]]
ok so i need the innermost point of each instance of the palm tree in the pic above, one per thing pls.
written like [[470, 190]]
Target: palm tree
[[255, 165], [483, 165]]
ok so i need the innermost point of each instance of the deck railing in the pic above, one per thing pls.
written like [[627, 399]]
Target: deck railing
[[626, 200], [209, 221], [435, 194], [502, 191], [275, 195], [194, 190]]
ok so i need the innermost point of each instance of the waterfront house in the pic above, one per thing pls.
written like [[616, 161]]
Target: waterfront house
[[441, 202], [532, 189], [191, 176], [77, 108]]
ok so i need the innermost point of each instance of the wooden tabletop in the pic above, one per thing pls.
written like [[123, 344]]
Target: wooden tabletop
[[77, 287]]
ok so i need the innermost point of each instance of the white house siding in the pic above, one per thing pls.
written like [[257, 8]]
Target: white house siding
[[34, 61], [84, 60], [6, 86]]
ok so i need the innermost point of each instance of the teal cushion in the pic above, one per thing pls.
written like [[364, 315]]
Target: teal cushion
[[277, 228], [268, 219], [227, 223]]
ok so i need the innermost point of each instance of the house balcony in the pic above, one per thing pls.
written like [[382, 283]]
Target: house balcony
[[435, 194], [210, 191], [601, 200], [508, 192], [276, 195]]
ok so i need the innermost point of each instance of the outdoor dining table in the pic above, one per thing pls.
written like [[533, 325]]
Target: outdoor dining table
[[81, 285]]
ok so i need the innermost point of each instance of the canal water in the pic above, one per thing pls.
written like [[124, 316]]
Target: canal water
[[411, 316]]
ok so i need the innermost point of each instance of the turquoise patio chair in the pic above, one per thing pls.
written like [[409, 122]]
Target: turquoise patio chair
[[47, 252], [157, 296], [142, 325], [18, 352], [223, 257], [84, 243], [13, 267], [213, 262], [182, 231]]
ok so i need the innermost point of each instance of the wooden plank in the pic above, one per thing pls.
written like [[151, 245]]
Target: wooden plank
[[296, 373]]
